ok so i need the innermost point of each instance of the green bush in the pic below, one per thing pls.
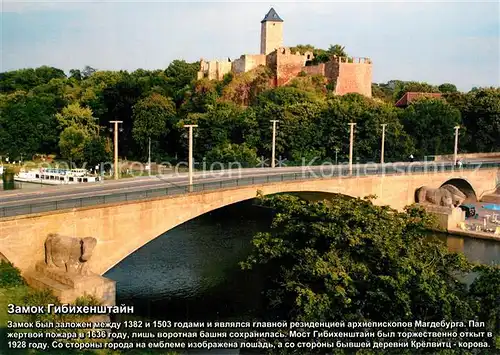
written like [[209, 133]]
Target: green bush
[[10, 276], [87, 300]]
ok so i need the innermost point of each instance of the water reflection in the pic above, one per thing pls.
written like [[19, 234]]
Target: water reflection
[[192, 270], [476, 250]]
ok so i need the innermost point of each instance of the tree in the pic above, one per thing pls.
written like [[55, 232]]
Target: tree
[[297, 110], [337, 50], [320, 55], [345, 259], [74, 115], [93, 87], [368, 116], [447, 88], [244, 89], [430, 123], [76, 74], [63, 90], [95, 151], [119, 99], [27, 79], [27, 124], [72, 143], [233, 153], [180, 75], [88, 71], [203, 96], [481, 117], [382, 91], [46, 74], [151, 116], [222, 124]]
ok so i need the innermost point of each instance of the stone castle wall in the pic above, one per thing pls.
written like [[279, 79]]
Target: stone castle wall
[[315, 69], [248, 62], [351, 75], [289, 65], [354, 78], [214, 69]]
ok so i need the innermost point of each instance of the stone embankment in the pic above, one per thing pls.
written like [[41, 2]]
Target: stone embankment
[[493, 198]]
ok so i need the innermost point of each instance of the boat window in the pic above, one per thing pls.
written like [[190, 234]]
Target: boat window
[[71, 179], [79, 180], [85, 180], [37, 176], [61, 178]]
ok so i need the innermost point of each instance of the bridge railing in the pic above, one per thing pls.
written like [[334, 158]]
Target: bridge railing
[[101, 199]]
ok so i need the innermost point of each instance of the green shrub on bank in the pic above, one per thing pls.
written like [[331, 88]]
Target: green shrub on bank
[[10, 276]]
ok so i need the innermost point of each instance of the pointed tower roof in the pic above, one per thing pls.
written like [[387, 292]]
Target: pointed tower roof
[[273, 16]]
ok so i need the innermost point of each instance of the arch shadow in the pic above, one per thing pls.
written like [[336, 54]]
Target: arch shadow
[[464, 186], [3, 258]]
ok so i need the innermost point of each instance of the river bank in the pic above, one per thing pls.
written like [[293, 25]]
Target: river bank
[[493, 198], [482, 225]]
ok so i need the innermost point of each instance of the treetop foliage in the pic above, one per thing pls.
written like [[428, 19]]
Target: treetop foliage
[[347, 259], [38, 106]]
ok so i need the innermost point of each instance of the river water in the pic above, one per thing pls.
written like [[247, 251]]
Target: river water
[[192, 273]]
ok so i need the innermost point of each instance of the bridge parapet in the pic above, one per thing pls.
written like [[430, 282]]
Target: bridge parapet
[[145, 194]]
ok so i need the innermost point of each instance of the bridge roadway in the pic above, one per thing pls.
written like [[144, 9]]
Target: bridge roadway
[[59, 197]]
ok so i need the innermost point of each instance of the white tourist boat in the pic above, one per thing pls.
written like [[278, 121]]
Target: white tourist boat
[[49, 176]]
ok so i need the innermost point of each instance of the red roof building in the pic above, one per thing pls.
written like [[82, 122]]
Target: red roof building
[[409, 97]]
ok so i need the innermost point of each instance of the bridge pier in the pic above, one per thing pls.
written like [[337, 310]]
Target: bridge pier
[[69, 287], [447, 218]]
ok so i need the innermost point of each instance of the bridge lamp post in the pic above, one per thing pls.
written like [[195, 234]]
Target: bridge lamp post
[[190, 158], [149, 156], [115, 129], [383, 143], [352, 124], [274, 143], [456, 145]]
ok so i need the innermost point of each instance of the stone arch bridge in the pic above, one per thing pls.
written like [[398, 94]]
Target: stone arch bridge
[[122, 228]]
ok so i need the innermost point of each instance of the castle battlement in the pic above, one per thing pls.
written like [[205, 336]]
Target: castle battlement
[[351, 60], [350, 74]]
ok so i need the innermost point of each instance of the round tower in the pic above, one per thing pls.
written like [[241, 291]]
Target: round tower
[[271, 32]]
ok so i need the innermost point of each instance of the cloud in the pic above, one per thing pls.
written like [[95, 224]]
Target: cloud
[[427, 41]]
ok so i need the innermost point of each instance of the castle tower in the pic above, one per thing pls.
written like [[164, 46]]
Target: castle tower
[[271, 32]]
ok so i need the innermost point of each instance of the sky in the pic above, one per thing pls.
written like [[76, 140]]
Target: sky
[[431, 41]]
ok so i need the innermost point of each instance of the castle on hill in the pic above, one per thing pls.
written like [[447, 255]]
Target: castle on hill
[[349, 74]]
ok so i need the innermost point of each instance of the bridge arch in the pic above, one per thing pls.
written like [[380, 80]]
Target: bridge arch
[[309, 195], [464, 186], [3, 258]]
